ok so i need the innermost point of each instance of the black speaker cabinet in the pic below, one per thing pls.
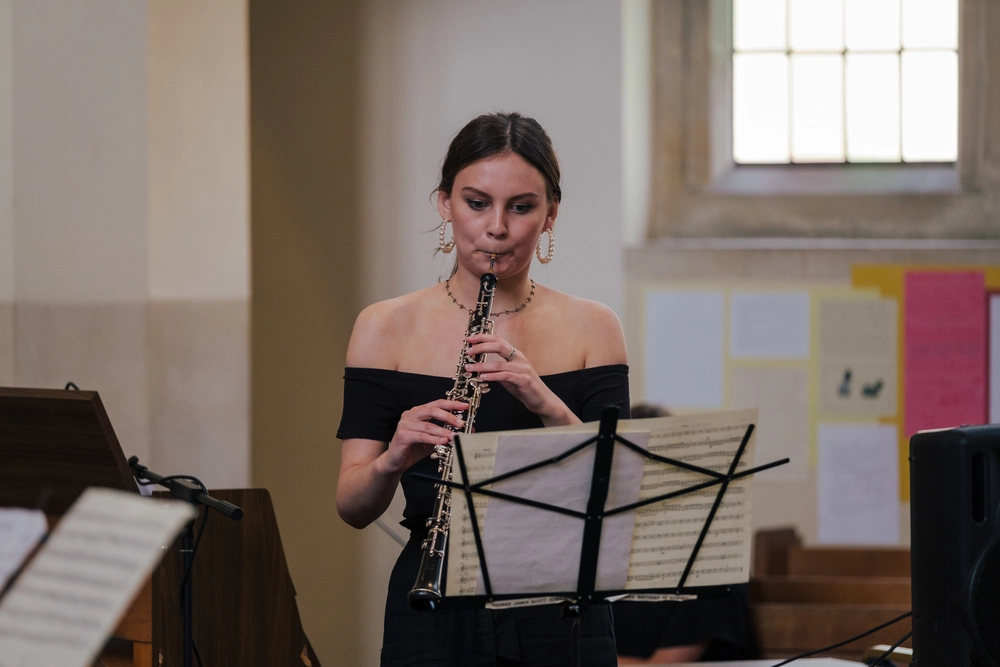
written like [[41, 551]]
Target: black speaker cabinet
[[955, 546]]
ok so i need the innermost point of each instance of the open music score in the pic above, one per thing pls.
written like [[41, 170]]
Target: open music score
[[63, 607], [663, 534]]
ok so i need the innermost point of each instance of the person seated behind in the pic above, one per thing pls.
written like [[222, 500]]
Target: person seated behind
[[674, 632]]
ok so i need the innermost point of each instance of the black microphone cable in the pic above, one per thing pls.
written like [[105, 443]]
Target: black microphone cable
[[848, 641]]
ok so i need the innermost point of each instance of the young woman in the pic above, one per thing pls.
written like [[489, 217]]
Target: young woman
[[553, 359]]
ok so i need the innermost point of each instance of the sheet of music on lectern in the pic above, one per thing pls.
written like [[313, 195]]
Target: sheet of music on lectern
[[530, 550], [62, 608]]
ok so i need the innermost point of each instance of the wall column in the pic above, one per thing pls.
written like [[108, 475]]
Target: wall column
[[305, 157]]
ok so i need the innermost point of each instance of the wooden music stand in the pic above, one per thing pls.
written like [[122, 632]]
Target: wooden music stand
[[54, 444]]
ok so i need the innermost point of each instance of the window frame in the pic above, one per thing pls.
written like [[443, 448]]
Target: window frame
[[699, 190]]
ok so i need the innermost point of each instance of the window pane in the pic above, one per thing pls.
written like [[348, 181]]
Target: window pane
[[816, 25], [930, 106], [759, 24], [760, 107], [930, 24], [872, 107], [817, 108], [872, 25]]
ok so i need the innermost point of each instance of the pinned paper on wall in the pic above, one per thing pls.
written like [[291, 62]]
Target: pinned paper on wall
[[782, 395], [858, 484], [945, 352], [856, 355], [769, 325], [995, 358], [684, 348]]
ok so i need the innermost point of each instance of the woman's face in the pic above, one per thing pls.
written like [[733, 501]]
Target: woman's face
[[497, 205]]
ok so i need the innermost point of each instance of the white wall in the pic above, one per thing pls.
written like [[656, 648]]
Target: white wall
[[430, 67], [199, 231], [124, 219], [79, 108], [6, 159]]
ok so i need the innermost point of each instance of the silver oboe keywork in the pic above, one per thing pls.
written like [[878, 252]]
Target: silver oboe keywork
[[468, 389]]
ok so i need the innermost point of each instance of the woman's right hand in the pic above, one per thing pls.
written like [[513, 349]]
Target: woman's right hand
[[416, 435]]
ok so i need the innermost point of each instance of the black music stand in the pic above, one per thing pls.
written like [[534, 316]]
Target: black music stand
[[593, 518]]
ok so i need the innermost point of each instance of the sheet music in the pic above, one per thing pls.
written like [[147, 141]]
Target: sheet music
[[63, 607], [666, 532], [663, 534], [531, 550], [20, 531]]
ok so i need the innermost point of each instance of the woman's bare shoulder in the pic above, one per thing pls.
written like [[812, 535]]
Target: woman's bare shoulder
[[597, 326], [379, 327]]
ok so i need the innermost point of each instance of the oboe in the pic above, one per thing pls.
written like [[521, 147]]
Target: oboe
[[468, 389]]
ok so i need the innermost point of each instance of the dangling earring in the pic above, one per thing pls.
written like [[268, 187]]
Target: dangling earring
[[552, 247], [442, 246]]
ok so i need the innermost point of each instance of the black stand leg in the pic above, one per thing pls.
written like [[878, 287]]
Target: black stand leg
[[187, 549], [572, 611]]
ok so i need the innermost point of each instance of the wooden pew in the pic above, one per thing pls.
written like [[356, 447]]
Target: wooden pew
[[804, 598]]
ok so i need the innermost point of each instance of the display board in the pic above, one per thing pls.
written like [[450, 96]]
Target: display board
[[843, 374]]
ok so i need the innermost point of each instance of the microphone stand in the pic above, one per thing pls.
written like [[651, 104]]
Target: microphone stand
[[184, 488]]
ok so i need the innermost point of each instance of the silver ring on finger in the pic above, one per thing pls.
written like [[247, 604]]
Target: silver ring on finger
[[513, 353]]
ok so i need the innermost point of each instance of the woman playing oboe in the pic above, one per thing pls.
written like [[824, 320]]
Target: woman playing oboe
[[553, 359]]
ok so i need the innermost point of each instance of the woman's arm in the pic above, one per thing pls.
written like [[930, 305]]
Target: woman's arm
[[364, 490], [370, 469]]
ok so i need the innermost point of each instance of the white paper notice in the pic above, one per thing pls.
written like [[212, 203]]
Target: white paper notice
[[20, 531], [552, 561], [856, 342], [60, 612], [769, 325], [782, 397], [858, 495], [995, 358], [684, 348]]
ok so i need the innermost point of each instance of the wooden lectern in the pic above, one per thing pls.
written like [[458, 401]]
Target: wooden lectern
[[54, 444]]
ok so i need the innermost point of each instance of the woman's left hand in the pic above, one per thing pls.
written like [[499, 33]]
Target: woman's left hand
[[514, 371]]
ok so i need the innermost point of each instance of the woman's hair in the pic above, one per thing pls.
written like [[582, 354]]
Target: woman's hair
[[647, 410], [498, 133]]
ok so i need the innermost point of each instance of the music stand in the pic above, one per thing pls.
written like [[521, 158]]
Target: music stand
[[54, 444], [593, 518]]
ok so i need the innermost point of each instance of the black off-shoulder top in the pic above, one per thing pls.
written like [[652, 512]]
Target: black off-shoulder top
[[375, 398]]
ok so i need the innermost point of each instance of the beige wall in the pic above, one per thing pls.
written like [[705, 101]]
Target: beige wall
[[77, 124], [198, 250], [306, 276], [79, 118], [6, 200], [124, 257], [6, 165], [199, 235]]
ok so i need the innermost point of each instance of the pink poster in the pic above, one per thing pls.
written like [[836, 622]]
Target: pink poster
[[944, 350]]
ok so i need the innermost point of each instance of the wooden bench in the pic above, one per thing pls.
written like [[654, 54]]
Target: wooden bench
[[804, 598]]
